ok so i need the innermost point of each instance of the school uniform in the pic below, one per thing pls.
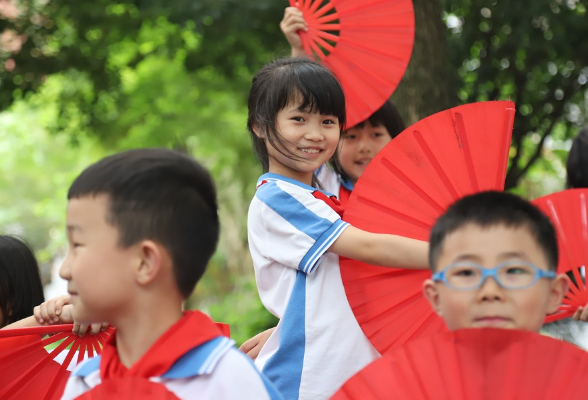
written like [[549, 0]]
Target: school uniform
[[192, 360], [318, 343], [334, 183]]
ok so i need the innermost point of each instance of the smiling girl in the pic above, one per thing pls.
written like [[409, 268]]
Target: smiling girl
[[296, 234]]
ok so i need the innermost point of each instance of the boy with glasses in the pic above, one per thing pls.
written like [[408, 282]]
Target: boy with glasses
[[494, 258]]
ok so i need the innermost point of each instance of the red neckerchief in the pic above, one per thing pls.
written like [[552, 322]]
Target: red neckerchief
[[193, 329], [344, 194], [331, 201]]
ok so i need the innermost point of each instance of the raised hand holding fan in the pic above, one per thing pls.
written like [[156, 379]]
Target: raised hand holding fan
[[403, 190], [37, 367], [474, 364], [568, 211], [366, 43]]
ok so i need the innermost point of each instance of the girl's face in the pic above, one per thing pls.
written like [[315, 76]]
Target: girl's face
[[359, 146], [310, 138]]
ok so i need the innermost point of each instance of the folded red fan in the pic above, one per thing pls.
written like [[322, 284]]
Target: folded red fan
[[34, 365], [402, 191], [366, 43], [568, 212], [474, 364]]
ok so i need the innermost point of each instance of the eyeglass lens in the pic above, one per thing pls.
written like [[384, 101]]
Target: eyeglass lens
[[509, 276]]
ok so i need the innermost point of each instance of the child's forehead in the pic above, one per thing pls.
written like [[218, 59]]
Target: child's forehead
[[494, 243]]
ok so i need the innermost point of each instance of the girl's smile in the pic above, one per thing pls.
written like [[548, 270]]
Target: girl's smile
[[308, 140]]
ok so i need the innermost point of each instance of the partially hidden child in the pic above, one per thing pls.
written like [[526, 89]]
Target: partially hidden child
[[494, 259], [296, 234], [142, 226]]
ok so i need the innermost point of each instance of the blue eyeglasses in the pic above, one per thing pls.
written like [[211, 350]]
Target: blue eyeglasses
[[509, 275]]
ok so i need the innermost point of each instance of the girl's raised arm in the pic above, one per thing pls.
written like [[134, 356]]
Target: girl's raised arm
[[381, 249]]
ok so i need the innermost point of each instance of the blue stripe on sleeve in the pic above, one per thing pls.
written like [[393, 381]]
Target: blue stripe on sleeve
[[293, 211], [284, 368], [310, 260]]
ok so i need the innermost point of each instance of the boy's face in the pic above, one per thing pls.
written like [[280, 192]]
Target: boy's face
[[491, 305], [98, 271]]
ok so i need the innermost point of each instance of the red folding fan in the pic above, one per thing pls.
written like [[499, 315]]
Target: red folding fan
[[402, 191], [475, 364], [366, 43], [34, 365], [568, 212]]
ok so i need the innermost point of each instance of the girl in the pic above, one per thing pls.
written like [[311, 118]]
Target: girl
[[296, 235], [20, 283], [359, 143]]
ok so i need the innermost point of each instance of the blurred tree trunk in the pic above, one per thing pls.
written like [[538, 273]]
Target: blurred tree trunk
[[426, 86]]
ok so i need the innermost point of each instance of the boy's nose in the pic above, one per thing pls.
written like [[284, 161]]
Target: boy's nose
[[491, 290], [65, 269]]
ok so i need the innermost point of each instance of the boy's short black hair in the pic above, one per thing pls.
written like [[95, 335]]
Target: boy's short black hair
[[491, 208], [161, 195], [21, 289]]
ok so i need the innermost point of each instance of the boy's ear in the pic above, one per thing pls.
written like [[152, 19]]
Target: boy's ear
[[559, 287], [151, 258], [432, 295]]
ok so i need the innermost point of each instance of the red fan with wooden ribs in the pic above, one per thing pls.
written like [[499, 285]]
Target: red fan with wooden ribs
[[36, 366], [474, 364], [568, 212], [366, 43], [402, 191]]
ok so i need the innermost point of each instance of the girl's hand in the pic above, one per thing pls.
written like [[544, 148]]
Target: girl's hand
[[54, 311], [252, 346], [581, 314], [293, 22], [59, 311]]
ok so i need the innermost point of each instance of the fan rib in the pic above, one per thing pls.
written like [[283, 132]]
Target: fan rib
[[323, 10], [436, 166], [462, 139], [415, 188], [384, 209], [509, 115]]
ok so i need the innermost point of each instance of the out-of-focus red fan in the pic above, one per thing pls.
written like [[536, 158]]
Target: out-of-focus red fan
[[366, 43], [129, 388], [35, 366], [476, 364], [568, 211], [402, 191]]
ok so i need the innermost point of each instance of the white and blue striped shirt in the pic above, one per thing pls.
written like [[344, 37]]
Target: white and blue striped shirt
[[215, 370], [318, 343]]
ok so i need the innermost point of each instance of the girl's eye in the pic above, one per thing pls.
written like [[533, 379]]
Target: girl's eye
[[378, 134], [349, 137], [329, 122], [298, 119]]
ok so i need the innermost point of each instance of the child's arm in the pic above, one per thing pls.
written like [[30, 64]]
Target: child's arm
[[382, 250], [293, 22], [252, 346]]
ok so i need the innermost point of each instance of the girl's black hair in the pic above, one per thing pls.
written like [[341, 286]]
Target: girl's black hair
[[283, 82], [577, 164], [20, 283]]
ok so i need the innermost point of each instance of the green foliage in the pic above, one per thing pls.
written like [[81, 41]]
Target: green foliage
[[533, 53]]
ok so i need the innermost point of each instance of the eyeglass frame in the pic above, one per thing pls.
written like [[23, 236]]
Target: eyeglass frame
[[440, 276]]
